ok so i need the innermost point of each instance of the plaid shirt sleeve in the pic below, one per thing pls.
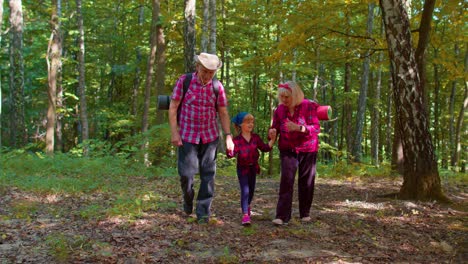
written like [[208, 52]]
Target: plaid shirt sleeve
[[261, 145], [222, 98]]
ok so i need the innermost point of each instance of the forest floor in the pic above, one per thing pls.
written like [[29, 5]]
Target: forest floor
[[351, 223]]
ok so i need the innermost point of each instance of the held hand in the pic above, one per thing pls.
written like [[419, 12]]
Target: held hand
[[176, 140], [272, 133], [229, 144]]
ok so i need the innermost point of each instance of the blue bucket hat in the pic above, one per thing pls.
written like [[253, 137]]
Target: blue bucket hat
[[239, 118]]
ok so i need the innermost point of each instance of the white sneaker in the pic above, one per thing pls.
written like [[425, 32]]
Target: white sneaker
[[306, 219], [278, 222]]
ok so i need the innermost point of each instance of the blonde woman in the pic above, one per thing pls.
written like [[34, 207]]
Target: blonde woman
[[296, 122]]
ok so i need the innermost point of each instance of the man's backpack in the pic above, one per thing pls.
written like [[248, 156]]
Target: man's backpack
[[165, 100]]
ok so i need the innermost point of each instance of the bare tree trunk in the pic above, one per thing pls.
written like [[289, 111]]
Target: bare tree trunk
[[361, 113], [17, 122], [82, 80], [212, 47], [455, 161], [436, 107], [421, 176], [54, 64], [189, 35], [59, 105], [205, 26], [375, 117], [1, 98], [137, 79], [160, 66], [347, 107], [423, 41], [389, 125], [149, 73]]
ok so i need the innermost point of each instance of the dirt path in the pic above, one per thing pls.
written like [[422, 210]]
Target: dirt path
[[350, 224]]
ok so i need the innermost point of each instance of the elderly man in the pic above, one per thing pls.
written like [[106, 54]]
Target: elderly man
[[194, 131]]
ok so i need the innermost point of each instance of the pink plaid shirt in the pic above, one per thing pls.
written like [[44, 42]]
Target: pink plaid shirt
[[305, 114], [197, 119]]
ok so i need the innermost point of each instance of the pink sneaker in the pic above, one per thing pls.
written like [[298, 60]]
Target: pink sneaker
[[246, 220]]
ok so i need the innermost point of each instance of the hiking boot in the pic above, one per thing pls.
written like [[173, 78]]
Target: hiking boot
[[246, 220], [306, 219], [188, 209], [203, 220], [279, 222]]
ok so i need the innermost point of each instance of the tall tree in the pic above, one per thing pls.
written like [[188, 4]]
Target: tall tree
[[59, 105], [150, 71], [81, 79], [347, 107], [423, 41], [212, 46], [18, 134], [54, 52], [421, 176], [1, 99], [189, 35], [455, 160], [137, 79], [160, 65], [205, 26], [361, 113]]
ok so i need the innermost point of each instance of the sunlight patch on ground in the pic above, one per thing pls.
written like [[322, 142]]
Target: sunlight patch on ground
[[362, 205]]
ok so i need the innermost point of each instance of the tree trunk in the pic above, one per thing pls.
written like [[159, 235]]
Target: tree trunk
[[18, 134], [189, 35], [1, 98], [421, 176], [423, 41], [347, 106], [81, 80], [212, 46], [375, 117], [361, 113], [54, 64], [160, 67], [455, 161], [137, 79], [205, 26], [150, 64], [149, 73], [389, 121], [59, 105]]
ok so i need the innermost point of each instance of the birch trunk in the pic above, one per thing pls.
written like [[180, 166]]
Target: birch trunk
[[421, 176]]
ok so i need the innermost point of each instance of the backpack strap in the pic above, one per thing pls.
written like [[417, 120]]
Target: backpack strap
[[216, 91], [188, 79]]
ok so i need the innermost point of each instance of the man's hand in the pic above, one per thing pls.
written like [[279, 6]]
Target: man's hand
[[229, 143], [175, 139]]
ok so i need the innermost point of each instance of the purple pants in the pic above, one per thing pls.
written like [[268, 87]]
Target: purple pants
[[305, 164], [247, 179]]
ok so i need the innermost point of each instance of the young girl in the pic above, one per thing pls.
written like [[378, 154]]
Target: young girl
[[246, 146]]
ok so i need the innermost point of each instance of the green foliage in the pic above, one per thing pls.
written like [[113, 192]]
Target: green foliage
[[66, 173], [344, 169]]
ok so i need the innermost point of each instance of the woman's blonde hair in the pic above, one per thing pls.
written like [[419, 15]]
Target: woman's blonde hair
[[291, 88]]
